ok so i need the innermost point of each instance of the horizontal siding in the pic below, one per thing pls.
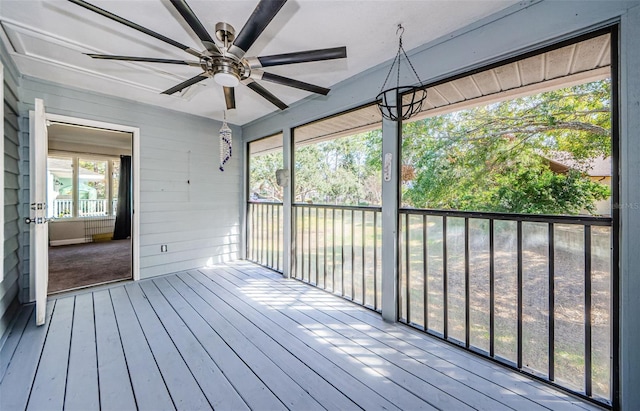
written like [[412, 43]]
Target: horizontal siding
[[185, 201], [10, 286], [181, 237]]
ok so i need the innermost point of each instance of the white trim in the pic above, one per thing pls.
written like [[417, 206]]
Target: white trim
[[68, 241], [135, 220], [2, 168]]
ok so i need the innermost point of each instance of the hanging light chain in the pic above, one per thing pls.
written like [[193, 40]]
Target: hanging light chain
[[397, 60], [401, 103]]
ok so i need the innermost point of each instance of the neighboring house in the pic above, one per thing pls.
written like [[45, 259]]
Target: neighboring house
[[598, 170], [61, 185]]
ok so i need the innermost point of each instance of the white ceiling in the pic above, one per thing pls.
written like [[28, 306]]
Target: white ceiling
[[47, 40]]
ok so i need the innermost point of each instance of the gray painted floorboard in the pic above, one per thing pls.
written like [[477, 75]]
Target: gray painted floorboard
[[183, 387], [13, 338], [306, 349], [82, 376], [237, 337], [115, 391], [216, 387], [50, 381], [18, 380], [148, 383]]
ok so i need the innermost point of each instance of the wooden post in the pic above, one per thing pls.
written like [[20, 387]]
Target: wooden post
[[289, 235], [390, 182]]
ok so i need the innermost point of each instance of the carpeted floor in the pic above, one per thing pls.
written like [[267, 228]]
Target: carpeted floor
[[82, 265]]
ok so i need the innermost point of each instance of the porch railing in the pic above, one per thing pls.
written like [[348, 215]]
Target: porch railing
[[265, 236], [534, 292], [63, 208], [337, 248]]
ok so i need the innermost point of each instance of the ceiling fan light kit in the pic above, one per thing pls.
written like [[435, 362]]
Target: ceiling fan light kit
[[226, 79], [225, 60]]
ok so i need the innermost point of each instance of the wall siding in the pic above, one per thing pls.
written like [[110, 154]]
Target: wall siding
[[185, 201], [10, 286]]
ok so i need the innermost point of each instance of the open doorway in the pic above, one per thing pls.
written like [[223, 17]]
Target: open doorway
[[89, 187]]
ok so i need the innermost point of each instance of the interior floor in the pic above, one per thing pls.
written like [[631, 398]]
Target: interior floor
[[82, 265]]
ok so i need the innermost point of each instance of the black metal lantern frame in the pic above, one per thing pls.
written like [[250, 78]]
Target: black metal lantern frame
[[401, 102]]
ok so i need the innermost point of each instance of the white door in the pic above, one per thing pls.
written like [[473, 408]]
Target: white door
[[39, 235]]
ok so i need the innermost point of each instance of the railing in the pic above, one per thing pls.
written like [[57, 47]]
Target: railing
[[534, 292], [337, 248], [265, 236], [63, 208]]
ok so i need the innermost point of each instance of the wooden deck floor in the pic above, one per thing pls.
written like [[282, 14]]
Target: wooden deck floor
[[240, 337]]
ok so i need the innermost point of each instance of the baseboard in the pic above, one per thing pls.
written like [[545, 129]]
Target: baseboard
[[68, 241]]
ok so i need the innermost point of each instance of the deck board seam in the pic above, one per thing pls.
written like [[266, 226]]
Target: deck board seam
[[66, 379], [195, 311], [257, 327], [561, 395], [95, 341], [418, 362], [266, 358], [176, 348], [146, 340], [464, 354], [172, 309], [390, 362], [289, 333], [33, 377], [124, 355], [344, 353], [414, 391], [24, 315]]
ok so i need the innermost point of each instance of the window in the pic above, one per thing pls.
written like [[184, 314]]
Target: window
[[491, 156], [265, 157], [82, 186], [338, 159]]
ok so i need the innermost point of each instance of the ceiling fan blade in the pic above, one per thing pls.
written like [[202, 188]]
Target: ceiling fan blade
[[185, 84], [135, 26], [195, 24], [300, 57], [265, 93], [230, 97], [143, 59], [285, 81], [262, 15]]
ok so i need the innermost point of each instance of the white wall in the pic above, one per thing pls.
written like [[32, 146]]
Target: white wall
[[185, 201]]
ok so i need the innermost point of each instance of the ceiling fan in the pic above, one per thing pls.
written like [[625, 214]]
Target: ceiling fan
[[225, 59]]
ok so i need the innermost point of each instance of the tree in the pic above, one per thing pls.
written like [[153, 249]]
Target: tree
[[262, 176], [496, 157], [337, 172], [487, 158]]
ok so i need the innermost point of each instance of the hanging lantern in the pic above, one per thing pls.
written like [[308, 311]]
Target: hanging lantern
[[225, 144]]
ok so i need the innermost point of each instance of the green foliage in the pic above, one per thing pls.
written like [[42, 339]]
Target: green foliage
[[496, 157], [262, 176], [486, 158], [340, 171]]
